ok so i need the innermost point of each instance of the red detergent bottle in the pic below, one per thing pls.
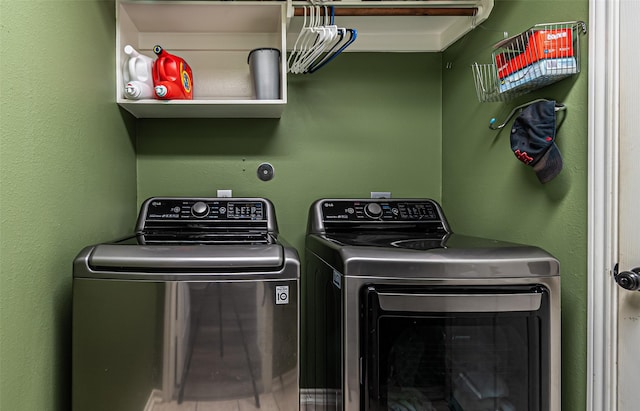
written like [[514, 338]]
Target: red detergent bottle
[[172, 76]]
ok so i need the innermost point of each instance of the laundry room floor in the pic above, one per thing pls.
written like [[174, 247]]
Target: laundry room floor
[[278, 399], [267, 403]]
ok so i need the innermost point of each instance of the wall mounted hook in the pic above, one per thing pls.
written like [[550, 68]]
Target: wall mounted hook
[[492, 122]]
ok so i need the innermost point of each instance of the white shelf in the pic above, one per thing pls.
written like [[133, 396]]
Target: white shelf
[[215, 38], [202, 108]]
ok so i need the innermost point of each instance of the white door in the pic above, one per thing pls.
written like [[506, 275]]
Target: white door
[[614, 205], [628, 320]]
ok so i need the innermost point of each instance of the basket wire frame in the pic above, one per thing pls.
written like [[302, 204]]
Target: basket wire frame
[[544, 54]]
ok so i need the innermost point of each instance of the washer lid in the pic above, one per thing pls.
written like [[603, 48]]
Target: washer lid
[[187, 257]]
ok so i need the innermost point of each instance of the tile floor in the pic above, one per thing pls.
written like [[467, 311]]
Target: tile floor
[[267, 403]]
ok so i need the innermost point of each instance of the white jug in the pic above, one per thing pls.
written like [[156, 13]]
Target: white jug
[[136, 73]]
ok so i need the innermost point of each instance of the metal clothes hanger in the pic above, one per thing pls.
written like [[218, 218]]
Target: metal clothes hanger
[[353, 34], [332, 53], [341, 33], [558, 107]]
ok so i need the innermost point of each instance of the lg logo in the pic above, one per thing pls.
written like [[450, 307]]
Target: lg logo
[[282, 294]]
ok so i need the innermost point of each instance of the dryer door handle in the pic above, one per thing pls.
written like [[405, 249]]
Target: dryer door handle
[[460, 302]]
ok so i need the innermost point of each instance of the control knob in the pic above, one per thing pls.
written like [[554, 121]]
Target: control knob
[[200, 209], [373, 210]]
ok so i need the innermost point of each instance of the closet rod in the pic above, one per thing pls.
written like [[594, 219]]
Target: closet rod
[[398, 11]]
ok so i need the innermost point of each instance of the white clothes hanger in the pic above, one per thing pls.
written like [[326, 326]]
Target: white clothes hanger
[[320, 40], [309, 37], [326, 39], [297, 47]]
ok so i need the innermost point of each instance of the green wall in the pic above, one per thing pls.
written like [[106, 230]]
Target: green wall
[[366, 122], [67, 167], [487, 191]]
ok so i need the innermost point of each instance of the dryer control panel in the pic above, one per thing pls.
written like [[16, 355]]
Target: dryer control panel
[[380, 210]]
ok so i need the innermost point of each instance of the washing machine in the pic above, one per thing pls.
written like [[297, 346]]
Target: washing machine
[[403, 314], [196, 309]]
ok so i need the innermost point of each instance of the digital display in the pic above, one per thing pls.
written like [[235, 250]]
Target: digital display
[[245, 210]]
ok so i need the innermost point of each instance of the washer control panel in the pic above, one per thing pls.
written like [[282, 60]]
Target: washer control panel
[[380, 210], [204, 209]]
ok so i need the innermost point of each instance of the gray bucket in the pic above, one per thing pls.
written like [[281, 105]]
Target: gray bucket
[[264, 65]]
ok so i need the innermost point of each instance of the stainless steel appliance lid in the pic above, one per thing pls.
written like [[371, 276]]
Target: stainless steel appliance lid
[[195, 239], [205, 238], [198, 233], [186, 257], [459, 257], [411, 238]]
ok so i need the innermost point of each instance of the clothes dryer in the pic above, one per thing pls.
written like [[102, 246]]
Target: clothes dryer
[[404, 314]]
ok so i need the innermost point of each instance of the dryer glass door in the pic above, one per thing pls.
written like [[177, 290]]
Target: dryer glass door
[[450, 349]]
